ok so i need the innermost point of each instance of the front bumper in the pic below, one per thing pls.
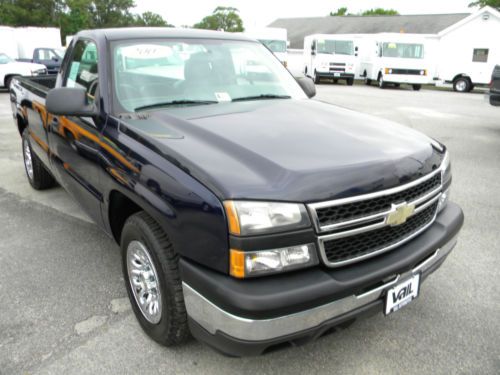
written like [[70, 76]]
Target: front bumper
[[410, 79], [252, 316], [335, 75]]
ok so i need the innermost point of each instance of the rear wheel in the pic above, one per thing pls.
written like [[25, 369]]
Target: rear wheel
[[416, 87], [151, 271], [368, 81], [462, 84], [38, 177]]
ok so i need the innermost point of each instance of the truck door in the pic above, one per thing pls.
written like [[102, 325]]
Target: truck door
[[75, 142]]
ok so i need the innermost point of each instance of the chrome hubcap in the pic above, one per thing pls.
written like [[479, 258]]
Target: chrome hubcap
[[144, 281], [28, 161], [461, 85]]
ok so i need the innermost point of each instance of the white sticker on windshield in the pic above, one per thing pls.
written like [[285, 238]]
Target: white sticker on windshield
[[222, 96]]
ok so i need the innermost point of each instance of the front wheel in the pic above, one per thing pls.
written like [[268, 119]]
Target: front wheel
[[316, 78], [416, 87], [38, 177], [151, 271], [381, 82], [350, 81]]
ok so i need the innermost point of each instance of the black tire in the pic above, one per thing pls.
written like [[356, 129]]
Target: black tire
[[172, 328], [381, 82], [368, 81], [416, 87], [397, 85], [7, 82], [40, 178], [316, 78], [350, 81], [335, 81], [462, 84]]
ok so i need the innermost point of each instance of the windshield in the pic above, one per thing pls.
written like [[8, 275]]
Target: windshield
[[403, 50], [60, 52], [4, 59], [338, 47], [155, 73], [274, 45]]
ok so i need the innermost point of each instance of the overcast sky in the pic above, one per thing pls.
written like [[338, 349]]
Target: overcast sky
[[259, 13]]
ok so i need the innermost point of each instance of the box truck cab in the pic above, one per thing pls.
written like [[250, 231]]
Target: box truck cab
[[274, 38], [330, 56], [395, 59]]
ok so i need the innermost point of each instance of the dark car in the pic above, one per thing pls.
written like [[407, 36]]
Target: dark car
[[247, 214], [50, 57], [494, 94]]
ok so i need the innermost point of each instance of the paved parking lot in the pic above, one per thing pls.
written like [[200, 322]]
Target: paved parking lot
[[63, 306]]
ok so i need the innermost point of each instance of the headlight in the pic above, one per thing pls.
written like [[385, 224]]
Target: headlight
[[446, 182], [38, 72], [249, 217], [254, 263]]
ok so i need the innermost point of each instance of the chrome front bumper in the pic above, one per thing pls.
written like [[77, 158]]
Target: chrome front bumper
[[215, 320]]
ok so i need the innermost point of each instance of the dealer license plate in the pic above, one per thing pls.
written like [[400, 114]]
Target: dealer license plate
[[336, 74], [402, 294]]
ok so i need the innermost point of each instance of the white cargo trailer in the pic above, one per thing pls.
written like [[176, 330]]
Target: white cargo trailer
[[469, 50], [392, 58], [331, 56], [29, 38], [8, 43]]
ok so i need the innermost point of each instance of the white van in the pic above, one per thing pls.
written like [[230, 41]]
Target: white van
[[274, 38], [390, 58], [330, 56]]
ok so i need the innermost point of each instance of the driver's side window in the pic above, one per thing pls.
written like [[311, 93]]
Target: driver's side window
[[82, 71]]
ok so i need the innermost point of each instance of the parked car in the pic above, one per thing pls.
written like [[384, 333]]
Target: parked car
[[50, 57], [494, 94], [246, 213], [10, 68]]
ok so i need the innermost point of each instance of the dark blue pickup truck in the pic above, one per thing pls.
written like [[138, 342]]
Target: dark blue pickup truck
[[247, 214], [50, 57]]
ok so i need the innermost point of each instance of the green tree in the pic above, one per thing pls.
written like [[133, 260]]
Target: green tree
[[222, 18], [380, 12], [340, 12], [150, 19], [482, 3], [30, 12]]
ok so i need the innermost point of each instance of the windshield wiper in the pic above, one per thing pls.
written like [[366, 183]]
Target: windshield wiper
[[175, 102], [261, 97]]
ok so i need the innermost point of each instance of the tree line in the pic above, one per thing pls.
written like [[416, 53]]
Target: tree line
[[72, 16]]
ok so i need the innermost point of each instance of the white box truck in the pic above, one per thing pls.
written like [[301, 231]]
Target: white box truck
[[469, 50], [394, 59], [274, 38], [330, 56], [29, 38]]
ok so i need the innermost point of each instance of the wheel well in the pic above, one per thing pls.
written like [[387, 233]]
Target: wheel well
[[7, 77], [461, 75], [21, 124], [379, 76], [120, 209]]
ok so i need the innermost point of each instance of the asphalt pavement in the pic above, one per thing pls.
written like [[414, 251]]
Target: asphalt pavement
[[63, 304]]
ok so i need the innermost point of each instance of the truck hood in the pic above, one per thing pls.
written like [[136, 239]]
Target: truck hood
[[24, 68], [288, 150]]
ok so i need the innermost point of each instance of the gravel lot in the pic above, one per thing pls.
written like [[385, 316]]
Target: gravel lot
[[63, 306]]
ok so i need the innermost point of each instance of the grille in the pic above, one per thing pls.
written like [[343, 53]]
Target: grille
[[348, 248], [337, 64], [350, 211], [407, 71]]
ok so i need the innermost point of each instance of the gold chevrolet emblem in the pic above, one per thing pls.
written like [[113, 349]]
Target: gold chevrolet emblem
[[399, 213]]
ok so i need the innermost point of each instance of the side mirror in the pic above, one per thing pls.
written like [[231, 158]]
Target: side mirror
[[56, 59], [69, 101], [356, 49], [307, 85]]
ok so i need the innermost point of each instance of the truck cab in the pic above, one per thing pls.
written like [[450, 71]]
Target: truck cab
[[274, 38], [393, 59], [330, 56]]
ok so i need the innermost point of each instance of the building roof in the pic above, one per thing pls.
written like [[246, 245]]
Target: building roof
[[298, 28]]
